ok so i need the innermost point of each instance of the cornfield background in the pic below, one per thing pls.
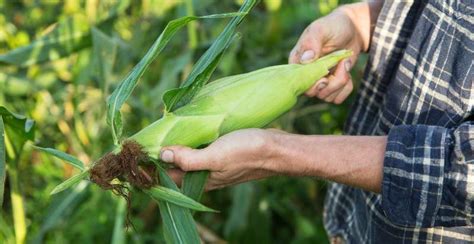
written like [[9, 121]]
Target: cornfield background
[[66, 99]]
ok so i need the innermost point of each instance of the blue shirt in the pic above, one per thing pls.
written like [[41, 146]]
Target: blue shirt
[[418, 90]]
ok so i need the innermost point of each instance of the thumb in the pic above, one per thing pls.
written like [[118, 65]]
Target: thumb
[[310, 45], [187, 159]]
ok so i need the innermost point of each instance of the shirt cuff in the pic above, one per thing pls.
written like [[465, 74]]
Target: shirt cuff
[[413, 174]]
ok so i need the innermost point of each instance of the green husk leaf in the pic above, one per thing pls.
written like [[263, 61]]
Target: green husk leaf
[[68, 36], [64, 156], [70, 182], [194, 183], [126, 86], [2, 160], [119, 235], [178, 222], [172, 130], [162, 193]]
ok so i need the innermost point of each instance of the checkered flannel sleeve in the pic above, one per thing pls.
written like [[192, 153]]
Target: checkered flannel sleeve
[[429, 176]]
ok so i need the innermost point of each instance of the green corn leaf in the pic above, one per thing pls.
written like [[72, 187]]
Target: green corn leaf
[[118, 235], [194, 183], [178, 222], [68, 36], [206, 65], [182, 95], [2, 160], [18, 128], [162, 193], [64, 156], [70, 182], [169, 79], [126, 86]]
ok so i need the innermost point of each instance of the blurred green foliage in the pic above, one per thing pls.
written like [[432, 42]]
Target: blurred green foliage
[[66, 97]]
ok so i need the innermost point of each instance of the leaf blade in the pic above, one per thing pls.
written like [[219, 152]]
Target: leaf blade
[[178, 222], [206, 65], [194, 183], [176, 197], [73, 161], [69, 182]]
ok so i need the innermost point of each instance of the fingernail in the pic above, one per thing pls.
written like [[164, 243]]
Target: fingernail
[[347, 65], [307, 56], [322, 86], [167, 156]]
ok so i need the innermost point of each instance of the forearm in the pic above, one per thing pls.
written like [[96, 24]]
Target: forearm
[[364, 16], [352, 160]]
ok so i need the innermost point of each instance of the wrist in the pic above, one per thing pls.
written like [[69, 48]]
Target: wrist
[[287, 155], [276, 152]]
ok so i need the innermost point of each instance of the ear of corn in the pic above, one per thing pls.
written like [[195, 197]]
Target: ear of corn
[[250, 100]]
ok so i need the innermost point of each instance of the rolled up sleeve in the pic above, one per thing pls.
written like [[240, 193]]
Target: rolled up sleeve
[[429, 175]]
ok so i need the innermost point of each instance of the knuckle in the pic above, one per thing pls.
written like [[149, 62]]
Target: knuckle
[[310, 93], [260, 142], [338, 100], [345, 81], [351, 85], [184, 162], [322, 95], [187, 166], [314, 27], [328, 99]]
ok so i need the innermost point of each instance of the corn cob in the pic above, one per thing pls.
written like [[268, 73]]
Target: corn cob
[[250, 100]]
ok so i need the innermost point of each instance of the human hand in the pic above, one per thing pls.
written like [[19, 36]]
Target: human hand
[[338, 30], [234, 158]]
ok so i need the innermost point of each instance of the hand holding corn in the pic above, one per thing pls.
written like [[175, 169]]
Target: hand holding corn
[[253, 154], [348, 27]]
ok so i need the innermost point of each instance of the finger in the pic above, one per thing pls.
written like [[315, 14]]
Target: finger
[[187, 159], [310, 44], [308, 47], [176, 175], [332, 96], [277, 131], [318, 86], [340, 78], [346, 91], [293, 57]]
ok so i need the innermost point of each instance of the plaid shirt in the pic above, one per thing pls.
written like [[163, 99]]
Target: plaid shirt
[[418, 90]]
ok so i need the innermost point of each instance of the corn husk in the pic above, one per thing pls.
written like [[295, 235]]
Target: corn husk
[[250, 100]]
